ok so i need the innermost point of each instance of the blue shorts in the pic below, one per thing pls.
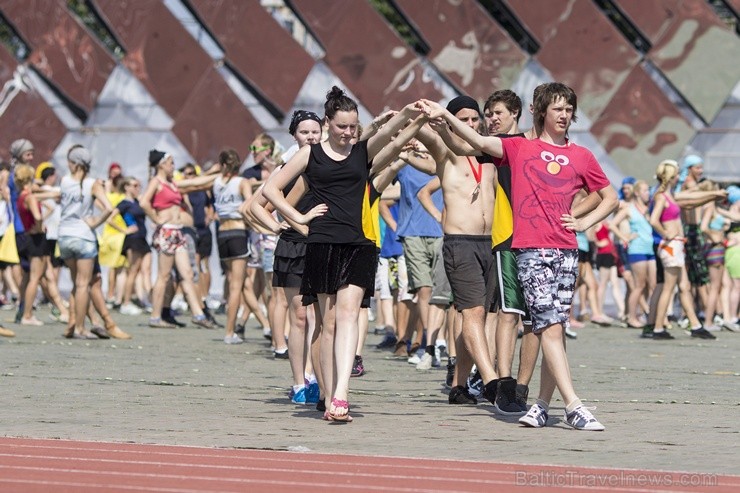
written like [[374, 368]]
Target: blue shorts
[[548, 280], [71, 247], [641, 257]]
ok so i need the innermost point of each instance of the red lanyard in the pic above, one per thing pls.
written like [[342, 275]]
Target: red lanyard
[[477, 175]]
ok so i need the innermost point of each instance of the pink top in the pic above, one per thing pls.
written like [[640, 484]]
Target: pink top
[[544, 180], [603, 234], [25, 213], [671, 211], [166, 197]]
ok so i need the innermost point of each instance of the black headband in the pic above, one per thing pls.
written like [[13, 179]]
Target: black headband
[[462, 102], [300, 116]]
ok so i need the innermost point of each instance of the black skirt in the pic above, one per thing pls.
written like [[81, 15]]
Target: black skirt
[[330, 266]]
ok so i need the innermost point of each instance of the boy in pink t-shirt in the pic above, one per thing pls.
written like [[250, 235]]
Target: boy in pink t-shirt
[[546, 173]]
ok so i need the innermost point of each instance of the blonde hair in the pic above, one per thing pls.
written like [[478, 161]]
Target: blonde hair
[[23, 175], [666, 171]]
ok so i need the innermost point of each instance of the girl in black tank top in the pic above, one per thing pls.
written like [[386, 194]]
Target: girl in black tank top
[[340, 262]]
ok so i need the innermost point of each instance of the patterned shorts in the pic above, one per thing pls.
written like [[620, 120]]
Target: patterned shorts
[[548, 280], [168, 240]]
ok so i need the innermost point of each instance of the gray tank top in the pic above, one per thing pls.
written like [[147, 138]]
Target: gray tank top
[[227, 197], [76, 205]]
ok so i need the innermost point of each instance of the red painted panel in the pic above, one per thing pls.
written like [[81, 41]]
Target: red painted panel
[[201, 127], [655, 19], [466, 44], [258, 48], [159, 51], [62, 49], [181, 76], [640, 126], [580, 47], [25, 114], [691, 47], [366, 54]]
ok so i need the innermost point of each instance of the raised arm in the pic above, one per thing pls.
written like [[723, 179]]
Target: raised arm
[[375, 125], [388, 153], [384, 135], [387, 176], [690, 199], [454, 143], [487, 144], [202, 182]]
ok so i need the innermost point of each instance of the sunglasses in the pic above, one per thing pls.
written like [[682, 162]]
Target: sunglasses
[[254, 148], [188, 173]]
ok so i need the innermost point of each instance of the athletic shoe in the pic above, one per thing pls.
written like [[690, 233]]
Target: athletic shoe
[[202, 321], [460, 395], [475, 384], [267, 333], [731, 326], [298, 397], [425, 363], [663, 335], [647, 332], [389, 341], [440, 352], [401, 350], [570, 334], [450, 372], [702, 333], [281, 354], [312, 393], [536, 417], [233, 339], [683, 323], [358, 369], [239, 330], [582, 419], [714, 328], [130, 309], [414, 359], [506, 403], [490, 390], [522, 392]]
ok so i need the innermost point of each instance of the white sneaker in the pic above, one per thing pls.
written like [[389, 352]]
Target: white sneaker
[[130, 309], [582, 419], [414, 359], [714, 328], [731, 326], [425, 363], [536, 417], [233, 339]]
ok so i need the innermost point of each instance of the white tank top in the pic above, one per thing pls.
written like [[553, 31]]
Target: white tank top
[[76, 205], [227, 197]]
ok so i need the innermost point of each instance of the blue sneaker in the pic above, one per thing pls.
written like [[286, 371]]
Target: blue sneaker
[[312, 393], [298, 397]]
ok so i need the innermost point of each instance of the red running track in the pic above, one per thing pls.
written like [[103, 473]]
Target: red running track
[[30, 465]]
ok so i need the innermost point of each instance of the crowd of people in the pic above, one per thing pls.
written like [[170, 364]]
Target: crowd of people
[[452, 229]]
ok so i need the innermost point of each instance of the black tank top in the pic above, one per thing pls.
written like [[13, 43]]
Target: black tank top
[[341, 186]]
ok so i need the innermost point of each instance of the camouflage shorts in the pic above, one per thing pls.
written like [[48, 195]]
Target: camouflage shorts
[[548, 280]]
